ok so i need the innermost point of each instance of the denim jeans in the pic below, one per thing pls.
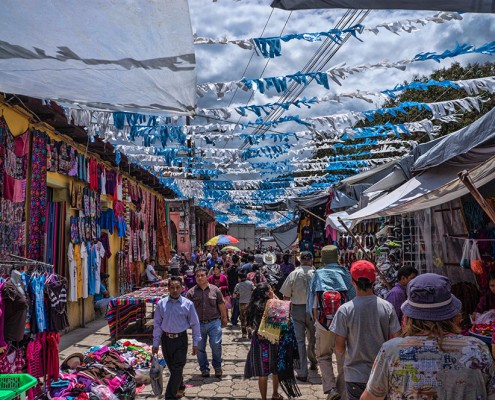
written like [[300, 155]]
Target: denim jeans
[[235, 311], [213, 331]]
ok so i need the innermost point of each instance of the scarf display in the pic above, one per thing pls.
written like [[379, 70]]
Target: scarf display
[[275, 321]]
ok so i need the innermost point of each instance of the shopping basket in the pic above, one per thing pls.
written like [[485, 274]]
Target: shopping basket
[[13, 385]]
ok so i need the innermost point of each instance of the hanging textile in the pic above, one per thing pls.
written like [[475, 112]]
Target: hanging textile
[[13, 172], [162, 243], [38, 196]]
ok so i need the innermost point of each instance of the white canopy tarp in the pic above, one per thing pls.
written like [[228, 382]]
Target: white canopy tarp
[[478, 6], [127, 55], [433, 187], [332, 220]]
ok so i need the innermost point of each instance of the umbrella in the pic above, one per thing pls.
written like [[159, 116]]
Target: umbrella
[[233, 248], [221, 239]]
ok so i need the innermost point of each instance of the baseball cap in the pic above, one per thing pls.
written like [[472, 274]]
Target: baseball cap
[[429, 298], [306, 255], [363, 269]]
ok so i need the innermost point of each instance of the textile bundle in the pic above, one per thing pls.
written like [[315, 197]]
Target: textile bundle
[[276, 319], [111, 372]]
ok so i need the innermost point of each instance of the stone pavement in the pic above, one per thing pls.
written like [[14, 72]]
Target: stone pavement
[[231, 386]]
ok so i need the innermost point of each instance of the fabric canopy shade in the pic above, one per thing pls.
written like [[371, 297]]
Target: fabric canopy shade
[[429, 189], [221, 239], [232, 248], [134, 55], [487, 6]]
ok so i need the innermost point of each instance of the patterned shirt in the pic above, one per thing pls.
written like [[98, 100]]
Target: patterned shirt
[[416, 367]]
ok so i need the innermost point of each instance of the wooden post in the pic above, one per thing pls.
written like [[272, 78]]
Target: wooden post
[[389, 286], [466, 180], [313, 214]]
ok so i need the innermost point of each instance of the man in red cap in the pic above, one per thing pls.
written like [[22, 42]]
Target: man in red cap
[[361, 326]]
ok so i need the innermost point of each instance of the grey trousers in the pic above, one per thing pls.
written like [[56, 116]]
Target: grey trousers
[[325, 349], [303, 325]]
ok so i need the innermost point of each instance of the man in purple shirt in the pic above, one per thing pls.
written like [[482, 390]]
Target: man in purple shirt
[[397, 295], [173, 316]]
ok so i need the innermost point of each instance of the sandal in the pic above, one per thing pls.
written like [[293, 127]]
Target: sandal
[[278, 397]]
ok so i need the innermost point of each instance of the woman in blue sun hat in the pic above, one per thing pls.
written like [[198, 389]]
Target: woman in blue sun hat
[[432, 360]]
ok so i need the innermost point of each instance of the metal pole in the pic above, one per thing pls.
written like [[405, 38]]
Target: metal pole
[[389, 286], [466, 180]]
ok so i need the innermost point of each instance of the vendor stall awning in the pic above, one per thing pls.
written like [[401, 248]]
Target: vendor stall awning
[[133, 55], [436, 186], [487, 6], [480, 132]]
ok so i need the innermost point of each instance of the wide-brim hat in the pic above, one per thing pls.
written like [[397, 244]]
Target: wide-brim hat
[[269, 258], [429, 299], [72, 361]]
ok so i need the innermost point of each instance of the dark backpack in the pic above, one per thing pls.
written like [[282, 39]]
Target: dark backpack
[[327, 305]]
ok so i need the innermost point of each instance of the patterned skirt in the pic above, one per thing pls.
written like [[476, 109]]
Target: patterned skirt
[[261, 359]]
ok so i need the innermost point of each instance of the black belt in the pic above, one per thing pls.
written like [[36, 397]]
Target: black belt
[[174, 335], [209, 320]]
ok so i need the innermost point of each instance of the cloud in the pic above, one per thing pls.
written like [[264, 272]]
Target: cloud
[[247, 19]]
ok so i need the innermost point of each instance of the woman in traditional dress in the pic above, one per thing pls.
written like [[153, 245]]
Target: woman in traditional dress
[[275, 356]]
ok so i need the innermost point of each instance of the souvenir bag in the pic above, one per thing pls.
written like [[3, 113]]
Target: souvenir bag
[[466, 254], [156, 376], [476, 262]]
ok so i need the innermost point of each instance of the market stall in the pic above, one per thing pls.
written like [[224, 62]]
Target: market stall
[[131, 308], [120, 371]]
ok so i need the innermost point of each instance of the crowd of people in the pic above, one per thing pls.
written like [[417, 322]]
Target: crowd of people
[[299, 318]]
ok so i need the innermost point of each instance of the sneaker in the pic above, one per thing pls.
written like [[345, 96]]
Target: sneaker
[[205, 374], [333, 395], [218, 373], [313, 366]]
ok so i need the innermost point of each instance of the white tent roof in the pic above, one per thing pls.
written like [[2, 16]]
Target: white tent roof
[[130, 55], [431, 188]]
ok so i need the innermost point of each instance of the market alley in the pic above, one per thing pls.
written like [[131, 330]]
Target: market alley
[[232, 385]]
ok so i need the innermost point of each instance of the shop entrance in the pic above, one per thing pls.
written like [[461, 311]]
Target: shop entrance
[[173, 235]]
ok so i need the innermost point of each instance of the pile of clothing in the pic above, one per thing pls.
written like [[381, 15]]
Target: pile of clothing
[[104, 372]]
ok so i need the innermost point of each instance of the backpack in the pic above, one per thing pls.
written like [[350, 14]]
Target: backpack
[[327, 305]]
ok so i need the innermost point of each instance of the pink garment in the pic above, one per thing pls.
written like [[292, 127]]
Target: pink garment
[[331, 233], [113, 384], [52, 367], [21, 144], [35, 360], [3, 343], [98, 353]]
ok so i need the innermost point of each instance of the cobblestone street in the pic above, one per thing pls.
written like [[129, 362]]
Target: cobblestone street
[[231, 386]]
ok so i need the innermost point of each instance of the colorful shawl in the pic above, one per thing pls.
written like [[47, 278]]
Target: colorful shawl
[[275, 321]]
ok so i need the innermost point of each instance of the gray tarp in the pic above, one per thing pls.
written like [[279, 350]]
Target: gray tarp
[[308, 201], [134, 55], [459, 142], [432, 187], [341, 200], [285, 235], [477, 6]]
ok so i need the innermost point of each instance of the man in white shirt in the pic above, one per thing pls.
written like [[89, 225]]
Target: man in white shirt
[[150, 271], [295, 289]]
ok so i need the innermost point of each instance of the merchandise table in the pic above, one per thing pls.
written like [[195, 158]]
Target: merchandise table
[[162, 283], [131, 307]]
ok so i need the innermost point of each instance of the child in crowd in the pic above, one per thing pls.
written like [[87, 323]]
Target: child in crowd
[[243, 290]]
